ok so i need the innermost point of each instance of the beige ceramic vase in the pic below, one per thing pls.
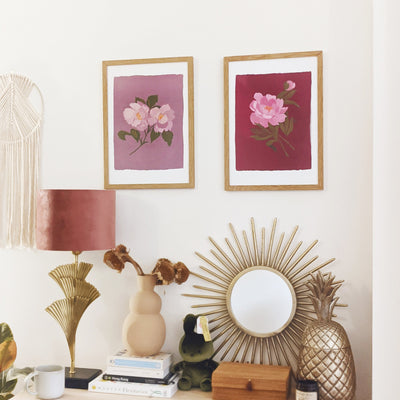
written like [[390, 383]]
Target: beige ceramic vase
[[143, 331]]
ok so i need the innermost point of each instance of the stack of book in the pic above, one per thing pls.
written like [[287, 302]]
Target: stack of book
[[142, 376]]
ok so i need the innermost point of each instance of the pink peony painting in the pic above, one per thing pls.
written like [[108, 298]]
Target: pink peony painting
[[272, 125], [148, 122]]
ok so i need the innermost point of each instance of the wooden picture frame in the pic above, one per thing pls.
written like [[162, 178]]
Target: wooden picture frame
[[274, 122], [148, 123]]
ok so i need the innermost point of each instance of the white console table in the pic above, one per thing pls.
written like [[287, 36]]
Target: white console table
[[78, 394]]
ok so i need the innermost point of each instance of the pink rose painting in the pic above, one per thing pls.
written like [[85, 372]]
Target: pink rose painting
[[273, 121], [148, 122]]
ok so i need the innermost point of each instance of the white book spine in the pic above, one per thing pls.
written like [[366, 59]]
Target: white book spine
[[160, 361], [145, 373], [129, 388]]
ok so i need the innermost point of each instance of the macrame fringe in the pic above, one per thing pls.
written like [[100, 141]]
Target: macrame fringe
[[20, 126]]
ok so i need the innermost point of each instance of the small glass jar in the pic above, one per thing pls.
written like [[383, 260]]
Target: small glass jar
[[307, 390]]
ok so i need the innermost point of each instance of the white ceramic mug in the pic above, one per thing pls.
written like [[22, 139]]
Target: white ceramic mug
[[49, 382]]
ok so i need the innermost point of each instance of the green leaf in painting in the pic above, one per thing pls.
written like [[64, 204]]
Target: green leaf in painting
[[291, 126], [274, 130], [135, 134], [288, 102], [167, 136], [137, 99], [290, 94], [152, 100], [270, 142], [260, 137], [154, 135], [259, 130], [282, 95], [284, 126], [122, 134]]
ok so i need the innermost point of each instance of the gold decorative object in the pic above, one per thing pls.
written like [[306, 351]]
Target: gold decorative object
[[254, 263], [325, 354], [79, 294]]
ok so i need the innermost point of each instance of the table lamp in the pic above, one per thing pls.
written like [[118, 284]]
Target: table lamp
[[74, 220]]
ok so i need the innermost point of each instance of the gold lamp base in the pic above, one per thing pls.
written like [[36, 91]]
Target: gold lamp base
[[79, 294]]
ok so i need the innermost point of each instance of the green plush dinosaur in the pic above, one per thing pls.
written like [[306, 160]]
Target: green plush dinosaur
[[197, 365]]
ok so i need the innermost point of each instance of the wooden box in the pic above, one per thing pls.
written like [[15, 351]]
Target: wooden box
[[233, 380]]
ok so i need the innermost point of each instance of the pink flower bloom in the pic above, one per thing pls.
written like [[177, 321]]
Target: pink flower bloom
[[290, 85], [136, 115], [161, 118], [267, 110]]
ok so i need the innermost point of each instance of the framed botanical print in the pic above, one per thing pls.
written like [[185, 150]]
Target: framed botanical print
[[148, 123], [273, 122]]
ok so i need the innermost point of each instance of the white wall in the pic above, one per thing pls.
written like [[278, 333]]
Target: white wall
[[60, 46], [385, 201]]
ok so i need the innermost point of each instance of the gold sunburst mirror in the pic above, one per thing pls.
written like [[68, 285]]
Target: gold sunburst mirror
[[257, 300]]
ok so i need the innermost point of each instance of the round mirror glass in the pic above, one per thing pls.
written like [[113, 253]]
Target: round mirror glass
[[261, 301]]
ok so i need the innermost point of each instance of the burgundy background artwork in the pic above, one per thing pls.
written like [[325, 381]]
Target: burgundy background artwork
[[252, 155], [157, 155]]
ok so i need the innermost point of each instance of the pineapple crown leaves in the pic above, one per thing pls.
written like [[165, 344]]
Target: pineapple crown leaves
[[323, 289]]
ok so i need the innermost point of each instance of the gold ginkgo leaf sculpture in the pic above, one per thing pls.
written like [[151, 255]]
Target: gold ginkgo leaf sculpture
[[79, 294]]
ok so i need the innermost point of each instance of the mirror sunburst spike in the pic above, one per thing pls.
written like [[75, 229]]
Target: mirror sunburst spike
[[277, 250], [254, 350], [222, 333], [208, 305], [222, 252], [240, 266], [246, 349], [286, 248], [205, 278], [234, 337], [268, 349], [203, 296], [234, 270], [295, 282], [261, 341], [210, 289], [216, 311], [248, 248], [221, 317], [276, 352], [290, 257], [271, 244], [214, 274], [301, 268], [257, 260], [297, 261], [293, 335], [287, 337], [282, 350], [245, 262], [239, 346], [229, 274], [221, 324], [263, 256]]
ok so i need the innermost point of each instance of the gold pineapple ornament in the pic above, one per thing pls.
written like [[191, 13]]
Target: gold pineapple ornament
[[325, 352]]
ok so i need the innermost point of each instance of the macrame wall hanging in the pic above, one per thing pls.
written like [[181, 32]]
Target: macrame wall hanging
[[20, 125]]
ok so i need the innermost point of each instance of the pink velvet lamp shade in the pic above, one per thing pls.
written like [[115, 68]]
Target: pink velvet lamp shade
[[75, 220]]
